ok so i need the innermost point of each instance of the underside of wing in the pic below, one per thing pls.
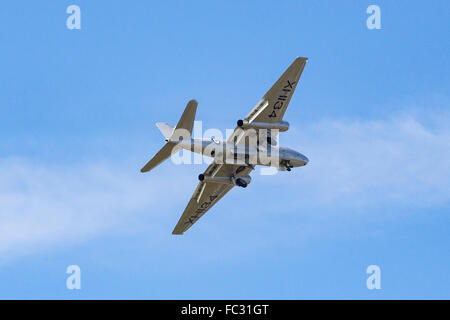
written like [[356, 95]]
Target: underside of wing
[[274, 103], [207, 194], [272, 107]]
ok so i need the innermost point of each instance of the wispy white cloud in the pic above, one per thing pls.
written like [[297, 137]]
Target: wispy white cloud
[[397, 162], [43, 206]]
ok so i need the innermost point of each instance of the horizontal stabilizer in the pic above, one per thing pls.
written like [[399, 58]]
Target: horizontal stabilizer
[[165, 129], [162, 155]]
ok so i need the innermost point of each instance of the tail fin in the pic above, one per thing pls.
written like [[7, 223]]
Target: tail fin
[[187, 118], [186, 122]]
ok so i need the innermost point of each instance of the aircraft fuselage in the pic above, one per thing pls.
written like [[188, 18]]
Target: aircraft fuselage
[[267, 155]]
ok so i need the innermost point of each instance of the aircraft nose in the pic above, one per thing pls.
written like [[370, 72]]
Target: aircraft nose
[[304, 159], [299, 160]]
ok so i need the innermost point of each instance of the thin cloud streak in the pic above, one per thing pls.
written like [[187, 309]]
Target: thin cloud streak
[[399, 160], [394, 162], [44, 206]]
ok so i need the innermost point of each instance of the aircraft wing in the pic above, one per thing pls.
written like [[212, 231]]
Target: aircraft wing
[[273, 105], [207, 194]]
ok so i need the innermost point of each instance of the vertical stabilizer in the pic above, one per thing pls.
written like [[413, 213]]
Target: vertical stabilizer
[[187, 118], [186, 122]]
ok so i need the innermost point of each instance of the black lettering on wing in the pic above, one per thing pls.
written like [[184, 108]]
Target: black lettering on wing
[[278, 105]]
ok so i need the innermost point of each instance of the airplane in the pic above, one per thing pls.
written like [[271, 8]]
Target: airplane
[[234, 159]]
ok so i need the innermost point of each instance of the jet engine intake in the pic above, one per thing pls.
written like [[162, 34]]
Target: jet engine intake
[[242, 181]]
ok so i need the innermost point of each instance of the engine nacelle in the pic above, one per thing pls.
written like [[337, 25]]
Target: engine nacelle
[[238, 181], [281, 125], [242, 181], [215, 179]]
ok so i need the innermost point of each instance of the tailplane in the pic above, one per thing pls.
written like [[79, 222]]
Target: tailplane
[[186, 122], [162, 155], [165, 129]]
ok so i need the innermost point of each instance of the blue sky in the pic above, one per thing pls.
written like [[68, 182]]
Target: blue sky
[[77, 114]]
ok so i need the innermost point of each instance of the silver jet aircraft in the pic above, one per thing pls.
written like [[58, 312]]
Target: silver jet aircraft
[[253, 142]]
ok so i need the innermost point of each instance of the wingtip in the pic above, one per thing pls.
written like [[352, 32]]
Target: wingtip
[[301, 59]]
